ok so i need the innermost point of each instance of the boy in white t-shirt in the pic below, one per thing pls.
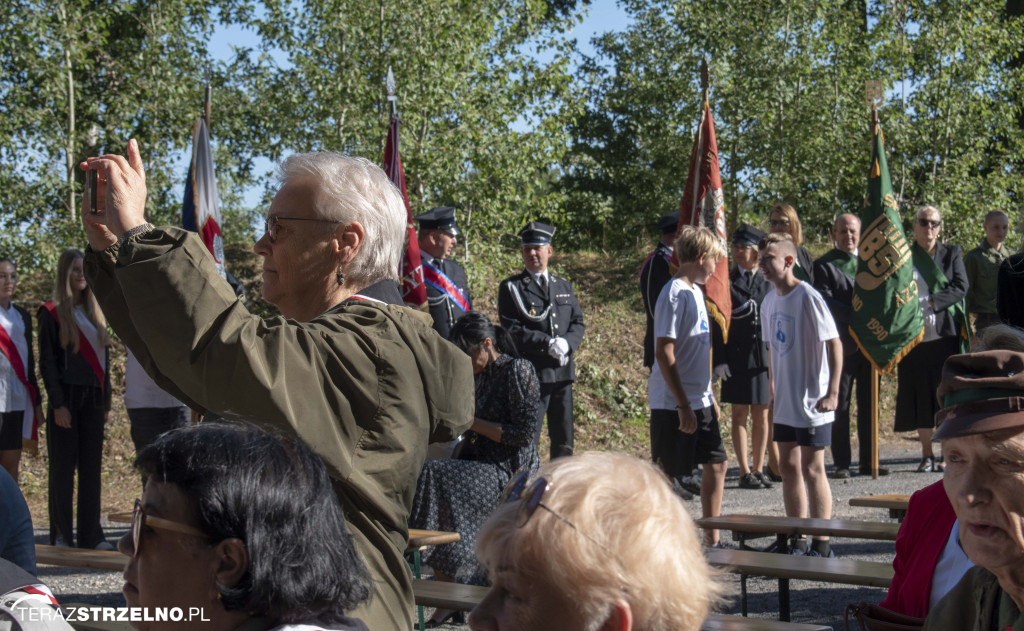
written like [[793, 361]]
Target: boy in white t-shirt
[[684, 413], [804, 368]]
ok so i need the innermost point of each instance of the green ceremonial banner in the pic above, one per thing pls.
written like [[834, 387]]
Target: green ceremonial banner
[[886, 320]]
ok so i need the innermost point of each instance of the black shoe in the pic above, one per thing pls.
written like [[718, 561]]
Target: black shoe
[[867, 472], [940, 465], [841, 474], [927, 466], [689, 483], [680, 491], [763, 479], [750, 481], [772, 476], [455, 617]]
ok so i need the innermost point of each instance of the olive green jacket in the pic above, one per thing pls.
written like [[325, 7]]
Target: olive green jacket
[[366, 384], [977, 603]]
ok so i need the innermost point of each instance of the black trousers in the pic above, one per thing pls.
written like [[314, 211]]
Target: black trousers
[[556, 404], [148, 423], [856, 368], [78, 447]]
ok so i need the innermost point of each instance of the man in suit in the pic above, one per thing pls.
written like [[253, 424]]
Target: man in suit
[[833, 278], [653, 276], [447, 288], [544, 318]]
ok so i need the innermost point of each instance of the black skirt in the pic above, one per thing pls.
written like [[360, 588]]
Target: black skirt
[[917, 381], [749, 387]]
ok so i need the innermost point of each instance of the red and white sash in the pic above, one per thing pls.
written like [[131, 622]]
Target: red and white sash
[[29, 427], [84, 347]]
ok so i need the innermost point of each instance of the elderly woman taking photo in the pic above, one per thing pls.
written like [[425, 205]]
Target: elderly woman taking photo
[[458, 495], [243, 526], [941, 280], [597, 541], [363, 380], [981, 426]]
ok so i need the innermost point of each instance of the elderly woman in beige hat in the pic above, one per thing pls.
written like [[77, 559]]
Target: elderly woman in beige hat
[[981, 426]]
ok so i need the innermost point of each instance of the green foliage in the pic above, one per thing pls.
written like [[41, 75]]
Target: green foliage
[[787, 93]]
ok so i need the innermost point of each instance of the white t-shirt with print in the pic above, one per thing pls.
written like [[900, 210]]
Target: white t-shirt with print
[[680, 314], [796, 327]]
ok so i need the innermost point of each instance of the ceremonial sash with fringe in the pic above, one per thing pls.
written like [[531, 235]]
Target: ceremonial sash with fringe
[[29, 427], [846, 263], [937, 281], [84, 347], [439, 281]]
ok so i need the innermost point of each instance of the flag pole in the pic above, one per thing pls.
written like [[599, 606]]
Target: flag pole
[[389, 82], [206, 97], [705, 80], [874, 370]]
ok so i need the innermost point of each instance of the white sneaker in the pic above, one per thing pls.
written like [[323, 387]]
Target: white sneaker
[[105, 546]]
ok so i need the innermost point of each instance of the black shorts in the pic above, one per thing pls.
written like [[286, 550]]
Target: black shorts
[[10, 430], [820, 436], [679, 453]]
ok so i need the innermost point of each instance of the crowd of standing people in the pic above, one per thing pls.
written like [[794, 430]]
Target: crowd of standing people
[[350, 388]]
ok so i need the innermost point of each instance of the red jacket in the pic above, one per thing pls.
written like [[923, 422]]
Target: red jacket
[[922, 537]]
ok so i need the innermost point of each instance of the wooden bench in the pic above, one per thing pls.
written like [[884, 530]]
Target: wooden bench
[[896, 503], [745, 527], [110, 560], [465, 597], [785, 567]]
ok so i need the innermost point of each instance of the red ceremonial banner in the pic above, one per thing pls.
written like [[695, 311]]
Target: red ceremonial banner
[[703, 204], [414, 291]]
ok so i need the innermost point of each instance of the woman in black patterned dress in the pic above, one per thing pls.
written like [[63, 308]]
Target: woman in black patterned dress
[[458, 495]]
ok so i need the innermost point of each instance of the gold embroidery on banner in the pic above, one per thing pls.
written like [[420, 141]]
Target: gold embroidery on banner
[[884, 249]]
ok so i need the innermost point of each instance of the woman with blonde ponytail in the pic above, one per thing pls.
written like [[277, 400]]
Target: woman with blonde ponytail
[[73, 343]]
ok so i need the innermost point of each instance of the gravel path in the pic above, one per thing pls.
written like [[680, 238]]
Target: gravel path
[[810, 602]]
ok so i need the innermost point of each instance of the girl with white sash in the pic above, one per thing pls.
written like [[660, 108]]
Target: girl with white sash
[[20, 410]]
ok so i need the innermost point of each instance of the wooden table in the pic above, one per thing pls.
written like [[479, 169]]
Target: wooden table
[[786, 567], [745, 527], [896, 503], [418, 539]]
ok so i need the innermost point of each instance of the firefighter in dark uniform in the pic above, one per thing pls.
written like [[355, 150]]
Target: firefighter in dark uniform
[[653, 276], [447, 288], [743, 362], [540, 310]]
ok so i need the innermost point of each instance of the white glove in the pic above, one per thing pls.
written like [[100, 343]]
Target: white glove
[[722, 372], [563, 360], [558, 348]]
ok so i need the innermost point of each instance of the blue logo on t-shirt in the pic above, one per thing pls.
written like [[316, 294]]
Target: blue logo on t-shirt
[[783, 331]]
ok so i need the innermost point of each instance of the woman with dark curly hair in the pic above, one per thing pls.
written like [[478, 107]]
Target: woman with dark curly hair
[[458, 495], [244, 526]]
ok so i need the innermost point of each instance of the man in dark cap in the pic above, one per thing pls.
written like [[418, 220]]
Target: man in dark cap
[[833, 278], [447, 288], [742, 364], [981, 426], [653, 276], [540, 310]]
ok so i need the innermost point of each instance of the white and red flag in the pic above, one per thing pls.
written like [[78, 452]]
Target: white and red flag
[[200, 211], [414, 290], [703, 204]]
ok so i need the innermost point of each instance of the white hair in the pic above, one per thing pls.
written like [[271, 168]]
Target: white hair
[[355, 189]]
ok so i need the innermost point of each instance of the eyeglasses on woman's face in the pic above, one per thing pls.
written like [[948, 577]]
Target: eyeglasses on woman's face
[[271, 224], [140, 520], [928, 223]]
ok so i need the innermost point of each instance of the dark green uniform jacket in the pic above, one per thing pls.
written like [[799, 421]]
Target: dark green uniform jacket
[[977, 603], [366, 384]]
